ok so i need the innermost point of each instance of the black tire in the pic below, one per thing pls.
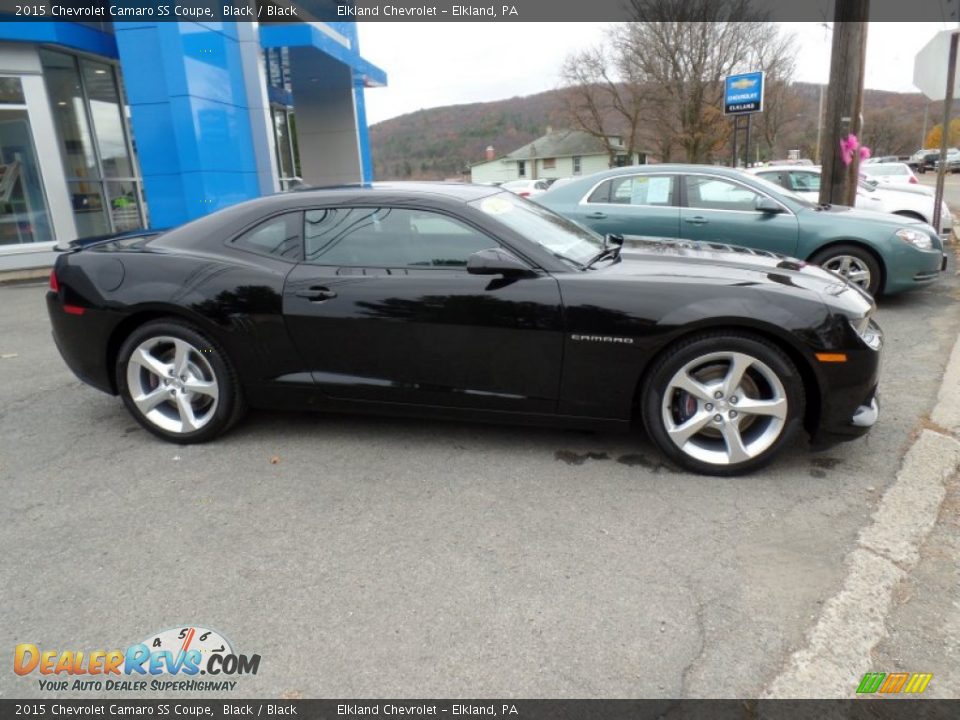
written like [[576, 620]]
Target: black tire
[[763, 434], [206, 365], [868, 259]]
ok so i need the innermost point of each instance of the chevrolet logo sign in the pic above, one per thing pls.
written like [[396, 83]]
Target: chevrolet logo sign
[[743, 84]]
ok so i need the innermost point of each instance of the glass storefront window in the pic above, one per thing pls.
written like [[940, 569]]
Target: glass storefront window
[[107, 118], [102, 175], [69, 113], [23, 205], [284, 135], [11, 91], [88, 210], [124, 205]]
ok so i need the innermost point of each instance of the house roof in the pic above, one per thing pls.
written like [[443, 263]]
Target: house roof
[[562, 143]]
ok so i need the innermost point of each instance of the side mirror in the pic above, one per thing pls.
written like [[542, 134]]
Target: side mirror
[[496, 261], [768, 205]]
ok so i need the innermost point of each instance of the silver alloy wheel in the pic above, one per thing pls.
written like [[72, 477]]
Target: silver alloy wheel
[[725, 417], [852, 268], [172, 384]]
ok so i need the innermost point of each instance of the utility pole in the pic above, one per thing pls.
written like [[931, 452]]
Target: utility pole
[[945, 135], [844, 100]]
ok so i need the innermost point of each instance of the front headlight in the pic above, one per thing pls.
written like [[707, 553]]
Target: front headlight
[[915, 237], [868, 332]]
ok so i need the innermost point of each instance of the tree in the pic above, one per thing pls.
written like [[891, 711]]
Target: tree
[[662, 81], [599, 104], [935, 135], [888, 132]]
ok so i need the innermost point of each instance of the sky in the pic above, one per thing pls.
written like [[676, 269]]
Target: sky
[[435, 64]]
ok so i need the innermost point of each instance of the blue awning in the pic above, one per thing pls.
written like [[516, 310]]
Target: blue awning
[[328, 39]]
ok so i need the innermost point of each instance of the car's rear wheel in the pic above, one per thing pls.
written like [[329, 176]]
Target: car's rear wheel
[[857, 265], [177, 383], [723, 404]]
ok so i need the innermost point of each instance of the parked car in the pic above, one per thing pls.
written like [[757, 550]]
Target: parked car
[[461, 301], [878, 252], [953, 161], [799, 161], [881, 159], [526, 188], [897, 173], [561, 181], [925, 159], [900, 200]]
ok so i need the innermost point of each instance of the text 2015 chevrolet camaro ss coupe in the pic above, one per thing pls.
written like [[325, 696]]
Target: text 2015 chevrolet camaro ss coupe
[[460, 301]]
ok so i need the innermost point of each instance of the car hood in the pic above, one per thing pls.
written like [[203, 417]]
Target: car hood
[[867, 216], [732, 265]]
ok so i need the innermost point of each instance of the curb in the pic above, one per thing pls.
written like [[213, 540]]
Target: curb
[[946, 414], [837, 650]]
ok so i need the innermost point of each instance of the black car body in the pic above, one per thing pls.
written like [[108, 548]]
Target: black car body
[[459, 301]]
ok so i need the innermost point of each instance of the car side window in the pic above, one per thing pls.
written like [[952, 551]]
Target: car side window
[[774, 176], [389, 237], [278, 236], [601, 194], [805, 182], [710, 193], [656, 190]]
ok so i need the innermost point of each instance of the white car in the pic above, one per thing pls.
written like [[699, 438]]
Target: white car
[[526, 188], [908, 201], [895, 173]]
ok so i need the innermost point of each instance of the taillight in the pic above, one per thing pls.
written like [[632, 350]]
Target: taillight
[[913, 180], [54, 284], [523, 193]]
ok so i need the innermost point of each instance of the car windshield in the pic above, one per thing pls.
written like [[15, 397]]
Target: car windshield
[[560, 236], [778, 190]]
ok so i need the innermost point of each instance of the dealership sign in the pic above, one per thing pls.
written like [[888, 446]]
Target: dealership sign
[[743, 93]]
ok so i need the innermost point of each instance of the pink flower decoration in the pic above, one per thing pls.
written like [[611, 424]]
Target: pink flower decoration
[[852, 145], [848, 146]]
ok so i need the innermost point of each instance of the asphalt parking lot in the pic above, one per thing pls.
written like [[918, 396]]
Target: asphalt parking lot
[[368, 557]]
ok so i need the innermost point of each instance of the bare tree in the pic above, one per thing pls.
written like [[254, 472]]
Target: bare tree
[[668, 74], [599, 104]]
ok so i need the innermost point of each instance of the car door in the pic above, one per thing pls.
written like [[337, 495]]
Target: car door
[[383, 309], [719, 209], [641, 206]]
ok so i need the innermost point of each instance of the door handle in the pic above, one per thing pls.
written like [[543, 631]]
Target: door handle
[[316, 294], [596, 216], [696, 220]]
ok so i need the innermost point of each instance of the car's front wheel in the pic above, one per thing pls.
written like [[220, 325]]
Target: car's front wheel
[[857, 265], [723, 403], [177, 383]]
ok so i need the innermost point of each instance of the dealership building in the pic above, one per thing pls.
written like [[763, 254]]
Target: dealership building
[[108, 127]]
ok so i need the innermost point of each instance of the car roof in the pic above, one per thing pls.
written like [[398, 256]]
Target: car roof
[[888, 165], [789, 168], [455, 190]]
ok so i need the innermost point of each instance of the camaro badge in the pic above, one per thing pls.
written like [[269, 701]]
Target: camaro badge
[[602, 338]]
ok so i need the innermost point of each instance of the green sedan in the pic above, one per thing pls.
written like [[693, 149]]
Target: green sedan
[[881, 253]]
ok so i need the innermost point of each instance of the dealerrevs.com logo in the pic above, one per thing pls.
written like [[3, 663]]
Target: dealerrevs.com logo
[[169, 661]]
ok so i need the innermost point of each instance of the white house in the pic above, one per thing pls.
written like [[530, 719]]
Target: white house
[[563, 153]]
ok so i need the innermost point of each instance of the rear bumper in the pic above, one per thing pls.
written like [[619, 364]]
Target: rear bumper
[[82, 342]]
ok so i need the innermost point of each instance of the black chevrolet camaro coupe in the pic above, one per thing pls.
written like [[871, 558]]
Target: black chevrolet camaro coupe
[[460, 301]]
